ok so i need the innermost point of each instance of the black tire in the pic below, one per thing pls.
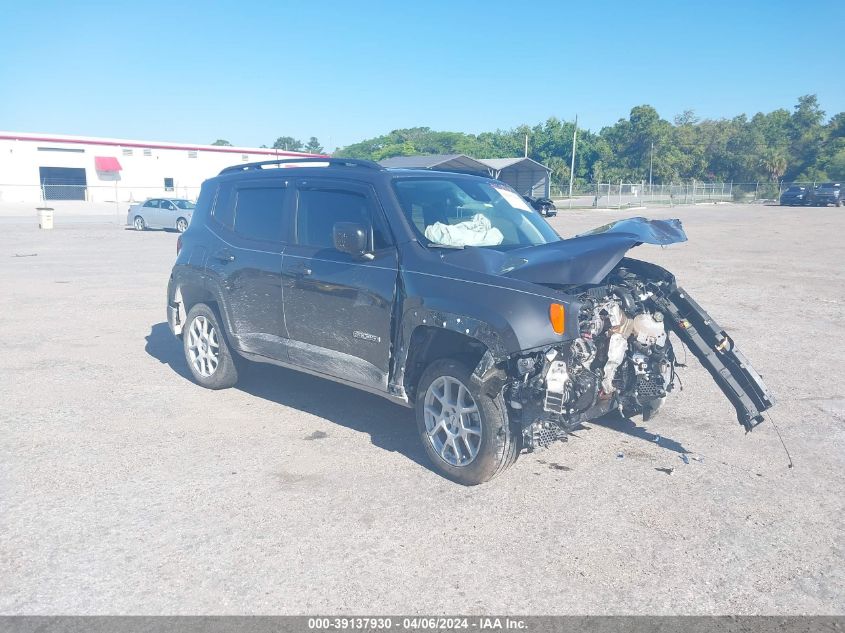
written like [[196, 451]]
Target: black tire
[[138, 223], [181, 225], [225, 374], [500, 441]]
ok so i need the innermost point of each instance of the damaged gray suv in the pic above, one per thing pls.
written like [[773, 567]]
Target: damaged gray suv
[[442, 292]]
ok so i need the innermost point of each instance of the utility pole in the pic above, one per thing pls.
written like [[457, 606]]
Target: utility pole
[[651, 165], [572, 163], [526, 146]]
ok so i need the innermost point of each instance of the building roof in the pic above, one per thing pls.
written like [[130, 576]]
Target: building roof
[[501, 163], [115, 142], [458, 162]]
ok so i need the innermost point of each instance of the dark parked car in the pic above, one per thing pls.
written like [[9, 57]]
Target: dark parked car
[[796, 196], [545, 206], [443, 292], [828, 193]]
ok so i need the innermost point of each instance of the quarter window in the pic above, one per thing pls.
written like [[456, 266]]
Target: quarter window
[[224, 206], [259, 212]]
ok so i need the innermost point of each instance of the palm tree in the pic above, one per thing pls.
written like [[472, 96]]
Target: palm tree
[[774, 162]]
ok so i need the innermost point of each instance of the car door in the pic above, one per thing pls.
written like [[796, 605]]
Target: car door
[[168, 214], [245, 264], [150, 212], [338, 307]]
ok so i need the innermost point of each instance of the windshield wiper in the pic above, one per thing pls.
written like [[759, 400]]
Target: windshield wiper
[[449, 246]]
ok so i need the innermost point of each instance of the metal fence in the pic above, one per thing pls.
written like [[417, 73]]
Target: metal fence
[[91, 194], [617, 195]]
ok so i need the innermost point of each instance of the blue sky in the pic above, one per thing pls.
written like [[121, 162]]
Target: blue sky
[[344, 71]]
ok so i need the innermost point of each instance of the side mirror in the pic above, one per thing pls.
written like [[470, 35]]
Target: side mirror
[[350, 237]]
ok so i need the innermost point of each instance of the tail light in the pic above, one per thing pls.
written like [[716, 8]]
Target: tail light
[[178, 245]]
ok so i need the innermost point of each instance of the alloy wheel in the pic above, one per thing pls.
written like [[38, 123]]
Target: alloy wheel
[[452, 421], [203, 346]]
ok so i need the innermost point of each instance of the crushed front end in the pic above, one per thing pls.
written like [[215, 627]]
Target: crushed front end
[[623, 358]]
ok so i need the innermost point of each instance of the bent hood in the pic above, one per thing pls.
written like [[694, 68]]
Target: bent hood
[[584, 259]]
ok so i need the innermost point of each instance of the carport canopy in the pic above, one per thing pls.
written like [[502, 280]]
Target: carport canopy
[[438, 162], [526, 175]]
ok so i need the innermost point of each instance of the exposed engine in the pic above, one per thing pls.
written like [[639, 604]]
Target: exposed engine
[[622, 360]]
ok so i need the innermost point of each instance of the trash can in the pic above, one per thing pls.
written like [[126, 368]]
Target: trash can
[[45, 218]]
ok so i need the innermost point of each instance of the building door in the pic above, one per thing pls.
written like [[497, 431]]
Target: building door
[[63, 183]]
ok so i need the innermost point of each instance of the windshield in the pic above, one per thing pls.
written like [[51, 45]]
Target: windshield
[[184, 204], [462, 212]]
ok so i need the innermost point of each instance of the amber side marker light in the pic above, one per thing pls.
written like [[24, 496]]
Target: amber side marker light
[[557, 317]]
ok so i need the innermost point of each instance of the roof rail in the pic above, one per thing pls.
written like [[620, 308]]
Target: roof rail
[[339, 162]]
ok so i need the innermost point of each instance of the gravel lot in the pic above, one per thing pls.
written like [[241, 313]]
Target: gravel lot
[[126, 488]]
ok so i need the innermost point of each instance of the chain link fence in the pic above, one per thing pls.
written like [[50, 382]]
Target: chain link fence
[[619, 195]]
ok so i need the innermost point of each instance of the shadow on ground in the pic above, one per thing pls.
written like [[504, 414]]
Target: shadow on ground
[[390, 426], [617, 422]]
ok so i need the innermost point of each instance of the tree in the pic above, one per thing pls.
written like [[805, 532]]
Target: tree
[[288, 143], [782, 144], [774, 161], [222, 142], [313, 146]]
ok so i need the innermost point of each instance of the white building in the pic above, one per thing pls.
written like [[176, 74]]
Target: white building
[[36, 168]]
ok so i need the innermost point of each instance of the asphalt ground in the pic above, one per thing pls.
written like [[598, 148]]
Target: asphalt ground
[[126, 488]]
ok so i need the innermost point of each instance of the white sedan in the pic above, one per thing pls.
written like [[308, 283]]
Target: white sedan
[[164, 213]]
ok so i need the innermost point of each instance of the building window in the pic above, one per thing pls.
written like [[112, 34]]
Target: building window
[[127, 151], [148, 151], [168, 184], [244, 157], [192, 154]]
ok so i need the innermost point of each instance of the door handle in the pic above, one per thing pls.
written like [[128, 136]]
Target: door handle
[[224, 256]]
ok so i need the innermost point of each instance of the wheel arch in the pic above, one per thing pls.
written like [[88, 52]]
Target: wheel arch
[[426, 335], [184, 296]]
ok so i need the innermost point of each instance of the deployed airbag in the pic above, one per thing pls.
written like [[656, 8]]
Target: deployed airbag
[[475, 232]]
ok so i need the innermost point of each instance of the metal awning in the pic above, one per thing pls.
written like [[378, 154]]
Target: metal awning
[[106, 163]]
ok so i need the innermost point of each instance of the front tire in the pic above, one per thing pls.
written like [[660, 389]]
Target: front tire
[[212, 363], [466, 432], [181, 225]]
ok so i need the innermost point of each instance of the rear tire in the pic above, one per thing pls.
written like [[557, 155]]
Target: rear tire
[[466, 432], [211, 362], [139, 223]]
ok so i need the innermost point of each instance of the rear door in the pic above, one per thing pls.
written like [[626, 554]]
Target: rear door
[[249, 219], [338, 307]]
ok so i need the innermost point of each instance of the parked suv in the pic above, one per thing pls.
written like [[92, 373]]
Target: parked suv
[[443, 292], [828, 193], [796, 195]]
